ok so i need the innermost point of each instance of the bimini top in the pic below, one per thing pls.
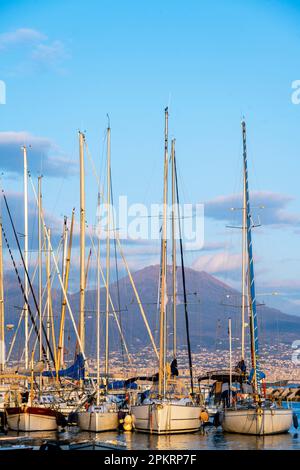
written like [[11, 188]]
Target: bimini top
[[222, 376]]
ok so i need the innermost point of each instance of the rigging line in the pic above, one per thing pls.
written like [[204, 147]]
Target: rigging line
[[60, 280], [103, 160], [112, 305], [117, 271], [46, 304], [29, 282], [22, 315], [93, 167], [20, 320], [23, 292], [183, 284], [137, 297]]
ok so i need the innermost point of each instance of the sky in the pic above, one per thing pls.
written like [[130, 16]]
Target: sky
[[66, 65]]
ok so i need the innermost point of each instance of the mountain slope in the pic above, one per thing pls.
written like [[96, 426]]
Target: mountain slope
[[210, 304]]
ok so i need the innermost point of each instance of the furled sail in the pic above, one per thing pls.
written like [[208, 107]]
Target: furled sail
[[75, 371]]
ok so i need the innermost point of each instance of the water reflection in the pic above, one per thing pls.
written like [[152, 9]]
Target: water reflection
[[209, 438]]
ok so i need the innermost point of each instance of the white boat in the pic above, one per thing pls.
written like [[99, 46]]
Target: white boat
[[31, 418], [170, 409], [258, 421], [99, 418], [255, 417], [167, 417]]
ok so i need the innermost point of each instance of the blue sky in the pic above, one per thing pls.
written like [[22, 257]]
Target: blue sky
[[67, 64]]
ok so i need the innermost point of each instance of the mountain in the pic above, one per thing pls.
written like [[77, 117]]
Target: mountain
[[210, 304]]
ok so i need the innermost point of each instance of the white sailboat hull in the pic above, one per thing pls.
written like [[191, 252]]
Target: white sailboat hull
[[166, 418], [98, 421], [257, 422], [29, 419]]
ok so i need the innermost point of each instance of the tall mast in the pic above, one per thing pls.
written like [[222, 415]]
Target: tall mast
[[244, 252], [50, 323], [163, 293], [60, 351], [230, 359], [174, 267], [48, 266], [2, 336], [187, 327], [40, 261], [64, 269], [82, 243], [107, 258], [98, 300], [251, 283], [26, 290]]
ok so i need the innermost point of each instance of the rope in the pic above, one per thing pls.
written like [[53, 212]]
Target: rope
[[184, 285], [117, 275], [24, 295]]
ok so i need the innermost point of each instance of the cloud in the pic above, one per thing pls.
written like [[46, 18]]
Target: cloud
[[213, 246], [15, 203], [20, 36], [218, 263], [274, 207], [40, 53], [44, 156], [288, 285], [50, 55]]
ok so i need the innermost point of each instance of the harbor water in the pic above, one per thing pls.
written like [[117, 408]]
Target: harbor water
[[208, 439]]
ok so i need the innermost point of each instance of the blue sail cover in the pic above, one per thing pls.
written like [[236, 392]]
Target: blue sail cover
[[75, 371], [256, 372], [120, 384]]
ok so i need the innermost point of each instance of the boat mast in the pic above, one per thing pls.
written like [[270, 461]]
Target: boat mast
[[163, 293], [244, 252], [60, 351], [40, 260], [82, 243], [251, 283], [64, 269], [98, 301], [230, 359], [2, 336], [174, 267], [48, 267], [107, 259], [187, 327], [51, 319], [26, 290]]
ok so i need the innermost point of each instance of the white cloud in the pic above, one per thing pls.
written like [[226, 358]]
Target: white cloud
[[50, 54], [44, 156], [21, 35], [218, 263], [15, 203], [41, 52], [274, 208]]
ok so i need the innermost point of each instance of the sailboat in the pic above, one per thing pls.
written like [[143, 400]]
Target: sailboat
[[102, 416], [169, 409], [29, 416], [255, 415]]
